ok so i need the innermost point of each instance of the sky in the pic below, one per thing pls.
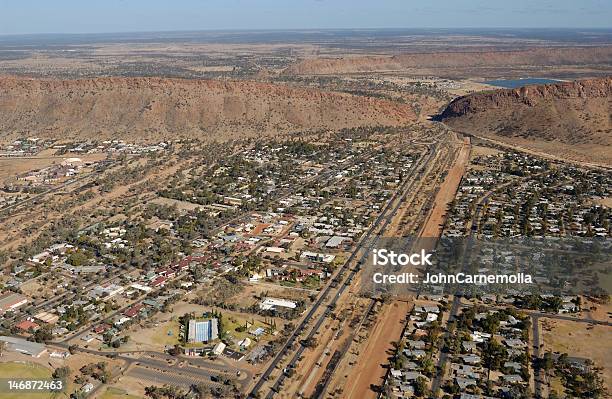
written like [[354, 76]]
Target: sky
[[109, 16]]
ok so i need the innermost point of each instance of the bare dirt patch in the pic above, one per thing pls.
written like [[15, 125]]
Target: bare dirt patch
[[370, 366], [578, 340]]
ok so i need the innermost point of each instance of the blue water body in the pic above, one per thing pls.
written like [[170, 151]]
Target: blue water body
[[514, 83]]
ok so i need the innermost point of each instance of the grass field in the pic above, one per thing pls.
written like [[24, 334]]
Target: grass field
[[232, 322], [116, 393], [27, 371], [161, 337]]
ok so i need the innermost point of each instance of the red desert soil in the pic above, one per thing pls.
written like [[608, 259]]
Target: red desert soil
[[369, 368], [141, 109]]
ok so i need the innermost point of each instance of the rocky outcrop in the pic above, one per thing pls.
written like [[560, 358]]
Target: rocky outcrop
[[153, 108], [530, 96], [570, 120]]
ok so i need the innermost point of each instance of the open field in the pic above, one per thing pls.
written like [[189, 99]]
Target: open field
[[25, 370], [607, 202], [482, 151], [12, 167], [166, 333], [116, 393], [579, 340]]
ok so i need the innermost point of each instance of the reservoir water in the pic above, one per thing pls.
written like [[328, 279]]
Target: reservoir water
[[514, 83]]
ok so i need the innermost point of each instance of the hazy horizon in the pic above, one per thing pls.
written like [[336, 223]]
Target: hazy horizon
[[119, 16], [382, 36]]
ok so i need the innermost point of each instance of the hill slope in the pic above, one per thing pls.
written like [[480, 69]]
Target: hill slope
[[568, 119], [450, 62], [154, 108]]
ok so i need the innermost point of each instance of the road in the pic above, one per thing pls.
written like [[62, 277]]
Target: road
[[194, 369]]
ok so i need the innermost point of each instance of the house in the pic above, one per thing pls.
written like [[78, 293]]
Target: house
[[406, 390], [465, 370], [303, 274], [417, 353], [59, 355], [335, 242], [47, 317], [153, 303], [463, 383], [88, 338], [471, 359], [569, 308], [469, 346], [413, 376], [513, 365], [106, 291], [158, 282], [515, 343], [480, 337], [415, 344], [133, 310], [169, 273], [512, 378], [427, 309], [27, 326], [101, 328], [317, 257], [244, 343], [470, 396], [255, 277], [118, 321], [141, 287], [410, 366], [431, 317], [259, 331], [275, 250]]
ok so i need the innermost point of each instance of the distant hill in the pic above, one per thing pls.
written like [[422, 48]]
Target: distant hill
[[141, 109], [453, 61], [568, 119]]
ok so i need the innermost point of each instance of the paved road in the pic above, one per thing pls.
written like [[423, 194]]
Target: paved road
[[170, 377], [568, 318], [180, 368]]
